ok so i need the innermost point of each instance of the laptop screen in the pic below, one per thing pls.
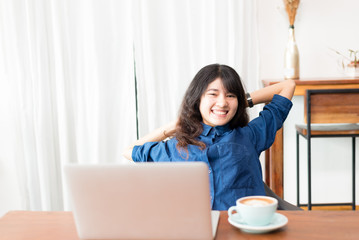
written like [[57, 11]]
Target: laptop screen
[[141, 201]]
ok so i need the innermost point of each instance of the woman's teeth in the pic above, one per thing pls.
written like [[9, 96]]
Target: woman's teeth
[[219, 112]]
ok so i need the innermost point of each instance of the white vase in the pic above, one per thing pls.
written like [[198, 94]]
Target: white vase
[[352, 70], [291, 57]]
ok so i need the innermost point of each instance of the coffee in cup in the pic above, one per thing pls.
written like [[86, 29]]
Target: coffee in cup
[[255, 210], [256, 201]]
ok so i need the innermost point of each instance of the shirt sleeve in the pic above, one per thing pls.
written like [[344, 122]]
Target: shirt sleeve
[[151, 152], [270, 120]]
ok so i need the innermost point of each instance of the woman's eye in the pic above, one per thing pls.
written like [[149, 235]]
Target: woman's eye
[[231, 95]]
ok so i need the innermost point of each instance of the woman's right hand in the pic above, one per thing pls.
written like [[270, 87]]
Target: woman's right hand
[[157, 135]]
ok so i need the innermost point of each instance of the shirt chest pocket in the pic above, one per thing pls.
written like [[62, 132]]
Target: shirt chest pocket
[[236, 172]]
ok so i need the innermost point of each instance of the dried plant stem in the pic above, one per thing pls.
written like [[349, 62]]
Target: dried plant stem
[[291, 7]]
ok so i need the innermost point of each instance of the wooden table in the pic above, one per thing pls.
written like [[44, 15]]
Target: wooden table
[[30, 225], [274, 156]]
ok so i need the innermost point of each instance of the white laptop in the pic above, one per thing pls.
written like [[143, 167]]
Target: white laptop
[[142, 201]]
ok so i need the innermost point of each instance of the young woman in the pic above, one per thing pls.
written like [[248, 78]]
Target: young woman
[[213, 128]]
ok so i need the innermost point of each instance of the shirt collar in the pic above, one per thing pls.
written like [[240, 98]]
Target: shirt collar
[[219, 130]]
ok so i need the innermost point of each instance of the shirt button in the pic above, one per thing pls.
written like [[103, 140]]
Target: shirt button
[[209, 171]]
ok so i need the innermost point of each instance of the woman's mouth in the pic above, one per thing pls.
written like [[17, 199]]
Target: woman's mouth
[[219, 112]]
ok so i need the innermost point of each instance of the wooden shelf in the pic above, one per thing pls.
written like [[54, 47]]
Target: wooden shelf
[[274, 155]]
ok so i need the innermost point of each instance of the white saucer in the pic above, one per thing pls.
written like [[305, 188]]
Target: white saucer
[[278, 221]]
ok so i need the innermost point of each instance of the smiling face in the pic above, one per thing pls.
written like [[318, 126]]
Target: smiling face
[[217, 106]]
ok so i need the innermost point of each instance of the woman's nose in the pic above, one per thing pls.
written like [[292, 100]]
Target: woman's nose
[[222, 101]]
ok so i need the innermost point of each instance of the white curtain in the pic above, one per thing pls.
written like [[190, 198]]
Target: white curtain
[[174, 39], [70, 69], [69, 65]]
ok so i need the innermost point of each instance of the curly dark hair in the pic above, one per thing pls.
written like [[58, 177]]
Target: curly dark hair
[[189, 125]]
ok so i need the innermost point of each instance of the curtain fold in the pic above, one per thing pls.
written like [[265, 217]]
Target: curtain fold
[[174, 39], [68, 67]]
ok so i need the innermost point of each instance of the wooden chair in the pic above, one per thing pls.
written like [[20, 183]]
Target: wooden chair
[[282, 204], [329, 113]]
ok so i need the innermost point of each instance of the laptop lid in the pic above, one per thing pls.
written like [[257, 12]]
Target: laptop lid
[[141, 201]]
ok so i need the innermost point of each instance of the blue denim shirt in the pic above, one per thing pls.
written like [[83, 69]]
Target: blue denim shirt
[[232, 155]]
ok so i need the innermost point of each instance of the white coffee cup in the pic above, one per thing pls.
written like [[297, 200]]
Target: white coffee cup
[[254, 210]]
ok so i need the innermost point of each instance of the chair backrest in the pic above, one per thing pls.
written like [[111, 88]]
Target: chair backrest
[[332, 106]]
